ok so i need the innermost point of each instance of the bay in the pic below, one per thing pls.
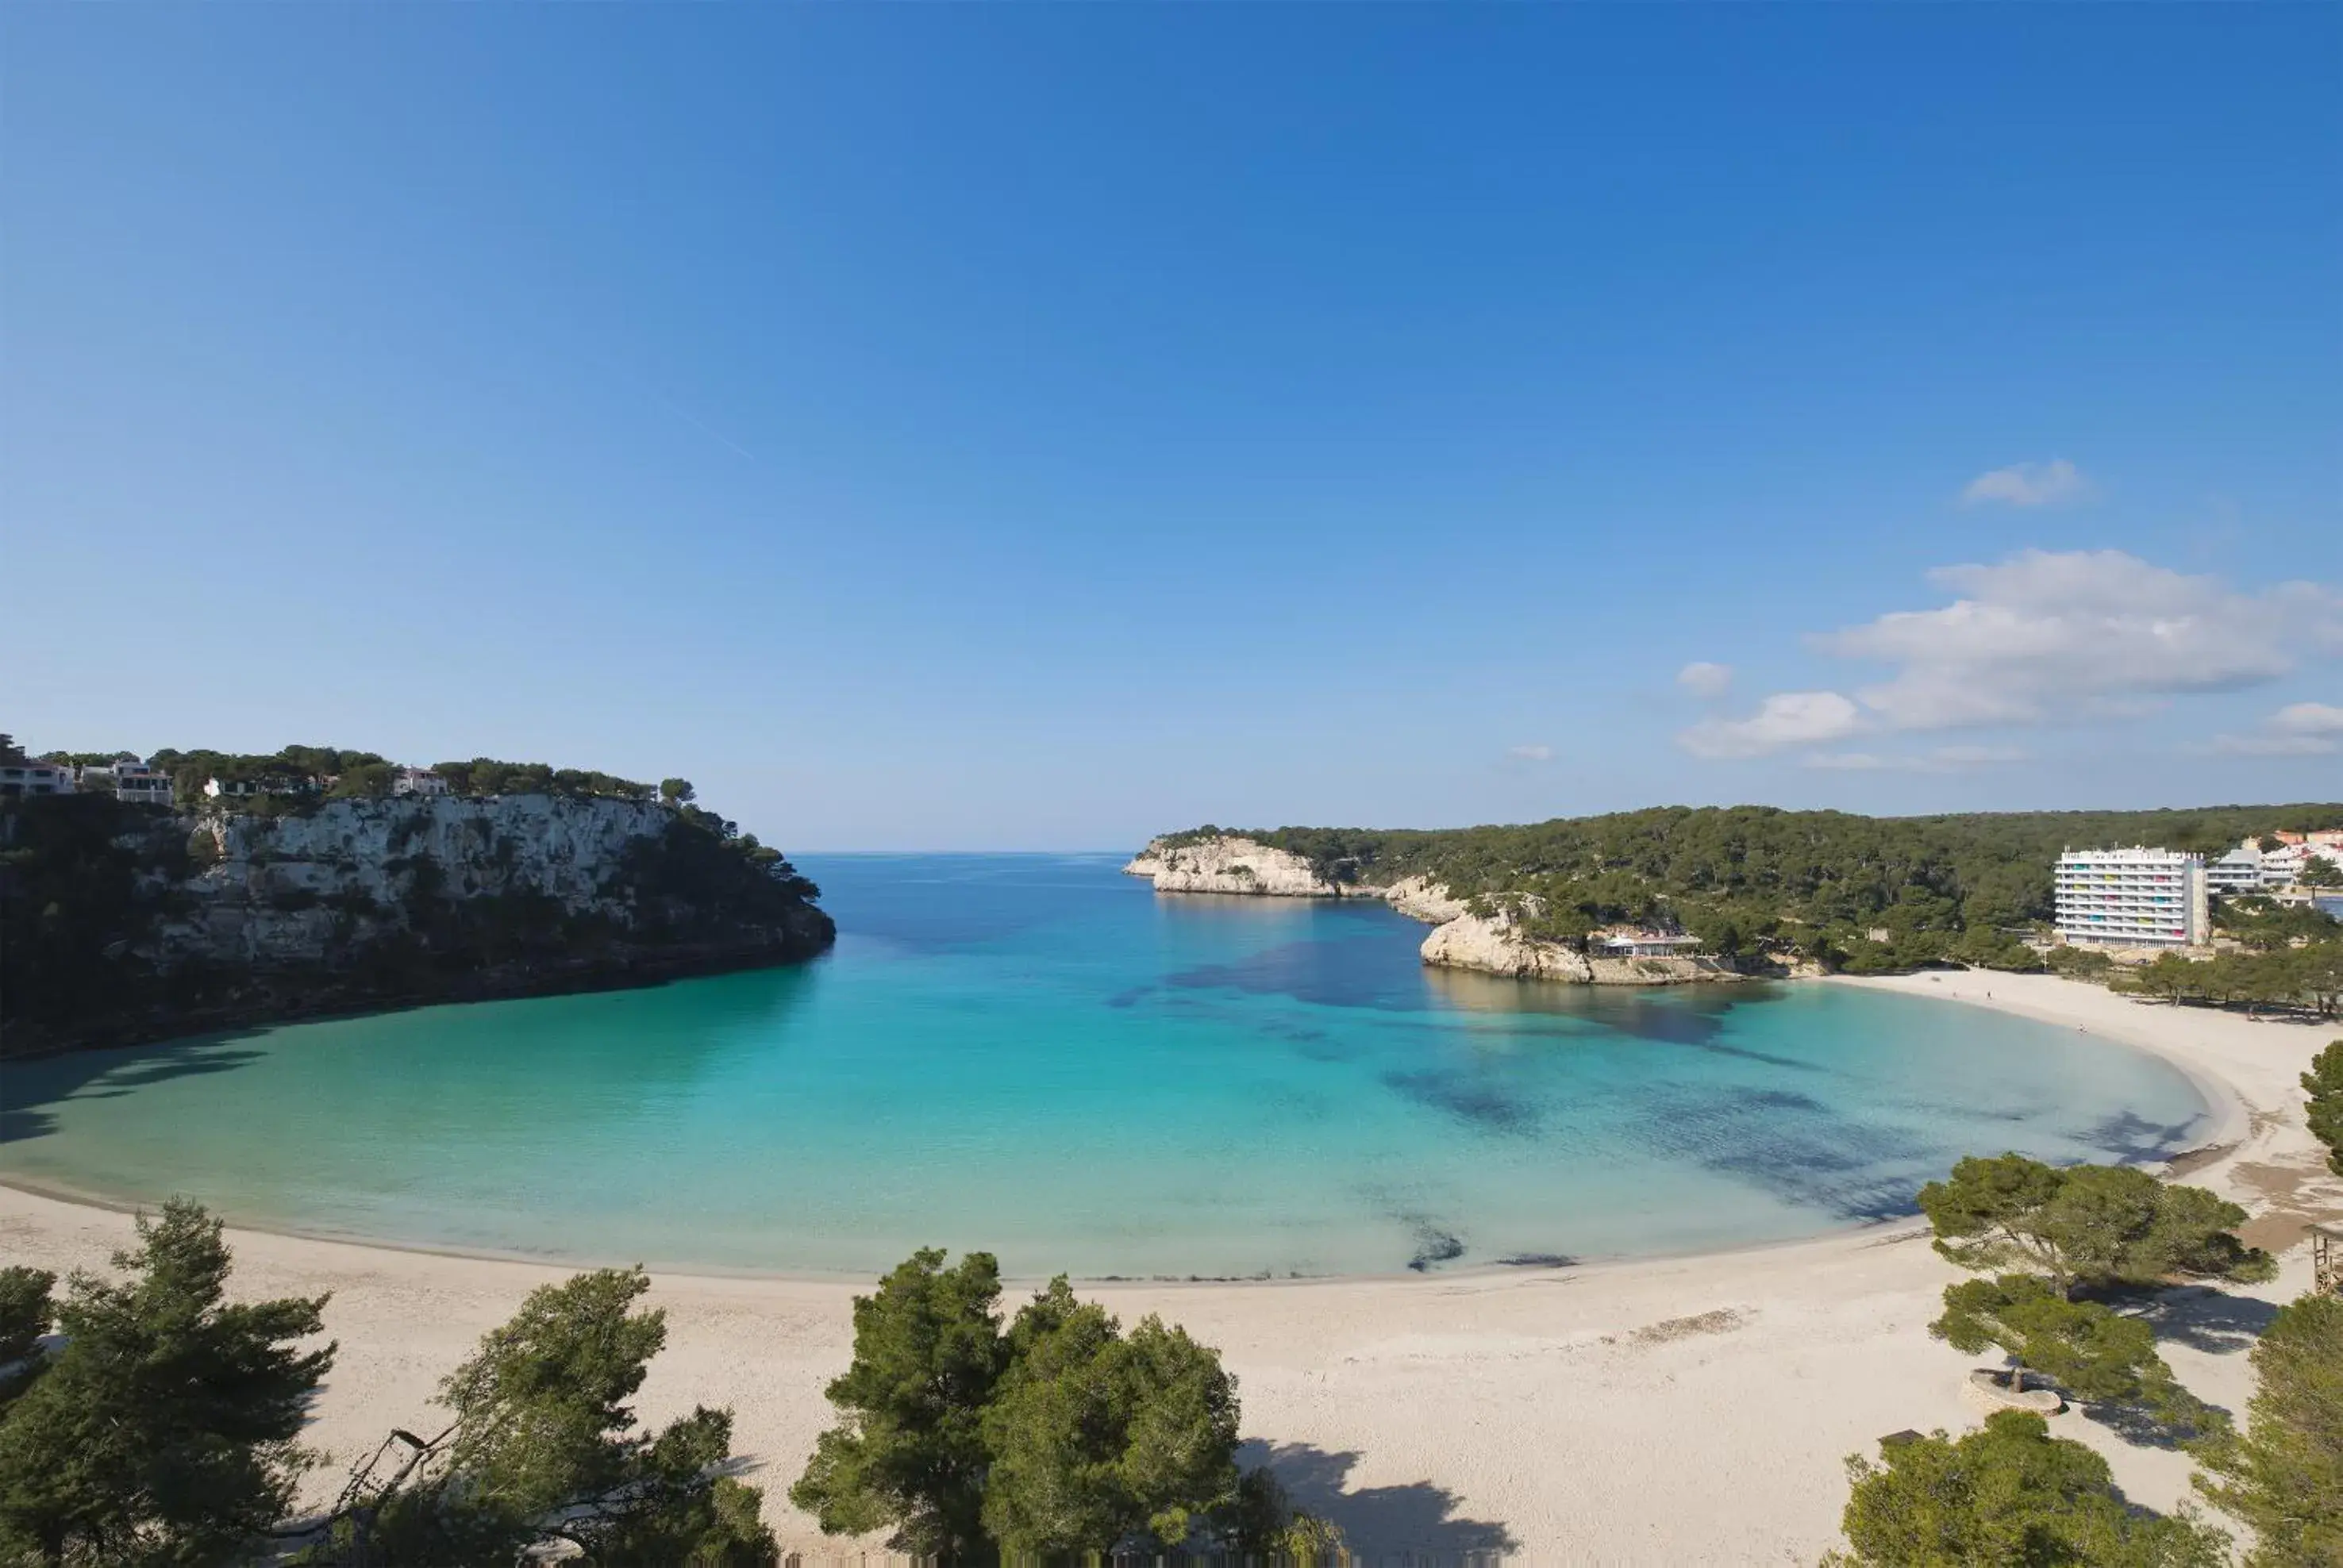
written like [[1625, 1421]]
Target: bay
[[1038, 1055]]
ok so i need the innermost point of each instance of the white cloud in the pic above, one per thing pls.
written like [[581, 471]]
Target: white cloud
[[2044, 635], [2297, 730], [1703, 678], [1942, 759], [1785, 719], [2046, 484], [2308, 718], [1530, 753]]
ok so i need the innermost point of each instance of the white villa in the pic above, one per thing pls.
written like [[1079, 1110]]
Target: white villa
[[35, 778], [2283, 866], [417, 781], [2241, 871], [219, 788], [132, 781], [2133, 897]]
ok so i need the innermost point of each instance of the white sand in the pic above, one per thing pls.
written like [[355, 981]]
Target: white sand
[[1689, 1410]]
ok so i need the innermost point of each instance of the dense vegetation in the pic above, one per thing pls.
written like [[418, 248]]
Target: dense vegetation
[[2309, 976], [338, 771], [2324, 1084], [1746, 879], [2007, 1493], [332, 771], [1058, 1439]]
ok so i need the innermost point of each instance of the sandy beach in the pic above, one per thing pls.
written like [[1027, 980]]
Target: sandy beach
[[1693, 1410]]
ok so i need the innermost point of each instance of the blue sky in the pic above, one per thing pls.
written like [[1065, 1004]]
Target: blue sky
[[1037, 427]]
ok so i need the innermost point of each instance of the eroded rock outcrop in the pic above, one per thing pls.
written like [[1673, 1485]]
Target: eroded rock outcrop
[[1489, 943], [1422, 899], [1494, 944], [293, 888]]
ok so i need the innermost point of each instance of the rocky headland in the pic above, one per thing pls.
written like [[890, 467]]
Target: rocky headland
[[1485, 936], [128, 924]]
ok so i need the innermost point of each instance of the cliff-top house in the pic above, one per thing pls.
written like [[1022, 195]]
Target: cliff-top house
[[417, 781], [35, 778], [132, 781], [218, 789]]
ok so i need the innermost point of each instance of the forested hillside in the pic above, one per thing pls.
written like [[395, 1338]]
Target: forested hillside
[[1957, 886]]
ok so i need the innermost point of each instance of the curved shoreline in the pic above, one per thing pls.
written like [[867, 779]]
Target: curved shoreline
[[1632, 1381], [2228, 1113], [2232, 1114], [1859, 1232]]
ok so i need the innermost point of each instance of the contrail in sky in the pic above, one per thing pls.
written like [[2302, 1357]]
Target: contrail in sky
[[681, 412]]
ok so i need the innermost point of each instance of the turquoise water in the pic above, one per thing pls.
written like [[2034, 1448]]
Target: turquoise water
[[1037, 1055]]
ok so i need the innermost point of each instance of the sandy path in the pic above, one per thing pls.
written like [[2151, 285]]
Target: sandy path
[[1688, 1411]]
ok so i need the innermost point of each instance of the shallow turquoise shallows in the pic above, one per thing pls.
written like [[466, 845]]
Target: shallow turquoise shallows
[[1037, 1055]]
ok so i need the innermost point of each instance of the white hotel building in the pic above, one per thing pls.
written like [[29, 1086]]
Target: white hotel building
[[2132, 897]]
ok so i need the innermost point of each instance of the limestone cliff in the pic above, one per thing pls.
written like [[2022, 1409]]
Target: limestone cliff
[[1230, 863], [1227, 864], [1490, 943], [129, 923], [1422, 899], [1494, 944]]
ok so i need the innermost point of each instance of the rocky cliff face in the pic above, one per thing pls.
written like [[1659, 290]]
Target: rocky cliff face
[[1422, 899], [1234, 865], [180, 923], [294, 889], [1493, 943]]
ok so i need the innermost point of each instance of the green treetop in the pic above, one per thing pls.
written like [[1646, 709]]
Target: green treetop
[[546, 1448], [907, 1451], [24, 1316], [2007, 1493], [2098, 1356], [1096, 1437], [2085, 1227], [2324, 1084], [1060, 1438], [162, 1431]]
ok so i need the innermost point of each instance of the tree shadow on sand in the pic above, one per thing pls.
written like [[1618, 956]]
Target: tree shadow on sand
[[2141, 1427], [2205, 1319], [2201, 1317], [1417, 1522]]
